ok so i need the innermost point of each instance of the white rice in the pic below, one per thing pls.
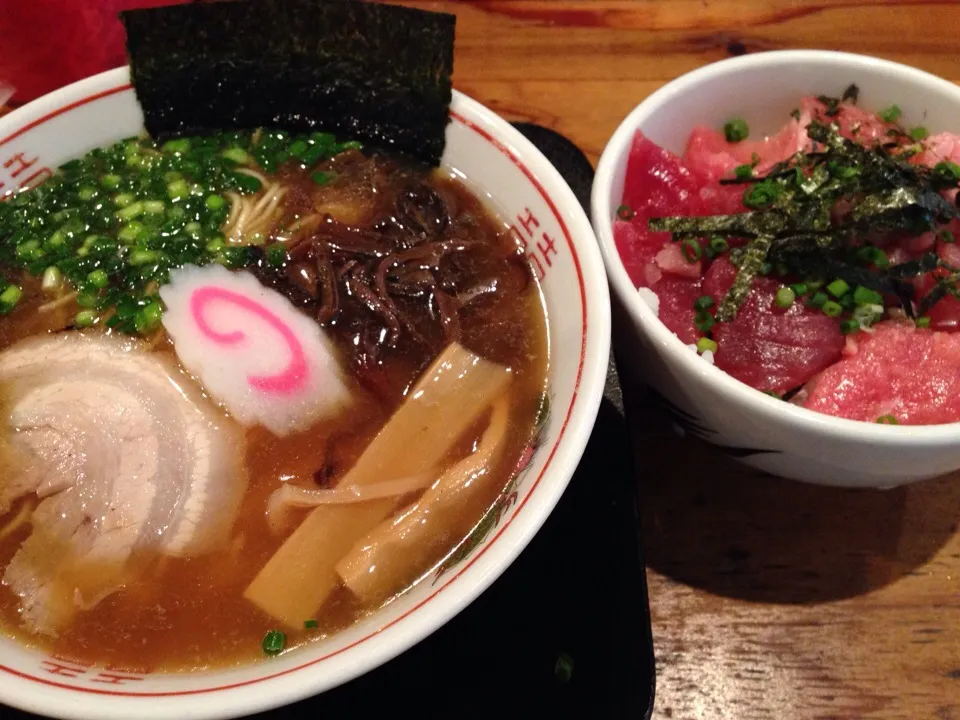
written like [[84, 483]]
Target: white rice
[[650, 298]]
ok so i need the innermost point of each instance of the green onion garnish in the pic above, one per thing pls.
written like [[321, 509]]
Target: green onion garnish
[[704, 302], [818, 300], [563, 668], [85, 318], [849, 326], [838, 288], [762, 195], [785, 297], [704, 344], [719, 244], [736, 130], [888, 420], [10, 297], [832, 309], [923, 322], [866, 296], [308, 624], [947, 237], [323, 178], [274, 642], [704, 321], [918, 133], [743, 172], [625, 212], [799, 289], [691, 250], [891, 114]]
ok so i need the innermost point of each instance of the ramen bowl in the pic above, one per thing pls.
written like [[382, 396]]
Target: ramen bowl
[[522, 188], [761, 431]]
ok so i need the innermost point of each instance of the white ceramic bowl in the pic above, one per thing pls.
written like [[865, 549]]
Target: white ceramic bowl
[[759, 430], [523, 187]]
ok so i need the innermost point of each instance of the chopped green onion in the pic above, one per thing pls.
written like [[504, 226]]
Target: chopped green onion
[[142, 257], [154, 207], [719, 244], [563, 668], [192, 229], [308, 624], [277, 255], [691, 250], [785, 297], [129, 212], [110, 182], [838, 288], [85, 318], [51, 278], [98, 278], [704, 321], [625, 212], [349, 145], [704, 302], [215, 245], [130, 232], [87, 193], [246, 183], [704, 344], [871, 254], [947, 236], [832, 309], [761, 195], [948, 168], [10, 296], [178, 189], [866, 296], [918, 133], [87, 299], [237, 155], [887, 420], [736, 130], [177, 146], [844, 172], [214, 202], [123, 200], [891, 114], [323, 178], [148, 318], [274, 642], [849, 326], [799, 289], [743, 172], [923, 321]]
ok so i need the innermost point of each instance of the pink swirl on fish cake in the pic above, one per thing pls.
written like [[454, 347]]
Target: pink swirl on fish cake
[[289, 380]]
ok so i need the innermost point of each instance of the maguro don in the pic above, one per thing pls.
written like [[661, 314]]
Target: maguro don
[[818, 264]]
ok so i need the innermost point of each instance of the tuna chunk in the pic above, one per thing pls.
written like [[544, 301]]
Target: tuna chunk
[[898, 370], [764, 346], [124, 455]]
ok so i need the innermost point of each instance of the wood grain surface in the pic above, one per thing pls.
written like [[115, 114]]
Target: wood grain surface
[[770, 599]]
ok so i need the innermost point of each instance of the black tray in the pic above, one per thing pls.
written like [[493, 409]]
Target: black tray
[[578, 592]]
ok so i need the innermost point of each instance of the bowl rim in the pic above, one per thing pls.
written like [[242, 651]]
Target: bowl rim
[[478, 572], [680, 356]]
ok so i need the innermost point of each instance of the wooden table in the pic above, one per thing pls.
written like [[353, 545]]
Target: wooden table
[[770, 599]]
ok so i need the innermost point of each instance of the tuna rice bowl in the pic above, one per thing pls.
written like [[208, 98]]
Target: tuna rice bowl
[[818, 264]]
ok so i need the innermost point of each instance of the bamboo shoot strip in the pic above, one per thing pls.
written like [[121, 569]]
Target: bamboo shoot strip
[[449, 397], [400, 549]]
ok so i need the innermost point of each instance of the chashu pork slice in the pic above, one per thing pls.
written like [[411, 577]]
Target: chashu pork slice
[[124, 453]]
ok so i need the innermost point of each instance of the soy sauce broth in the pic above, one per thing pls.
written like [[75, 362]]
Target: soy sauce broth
[[185, 614]]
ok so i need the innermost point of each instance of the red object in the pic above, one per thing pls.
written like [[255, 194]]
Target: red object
[[765, 346], [46, 44], [897, 370]]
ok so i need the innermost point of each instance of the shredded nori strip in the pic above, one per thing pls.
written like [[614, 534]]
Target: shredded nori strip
[[377, 73], [793, 225]]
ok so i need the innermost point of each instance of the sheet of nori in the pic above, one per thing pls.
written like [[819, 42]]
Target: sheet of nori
[[376, 73]]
